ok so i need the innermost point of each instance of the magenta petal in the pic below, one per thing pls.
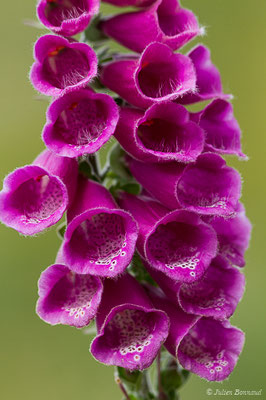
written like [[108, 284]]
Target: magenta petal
[[180, 322], [209, 186], [36, 196], [146, 212], [211, 349], [66, 17], [168, 174], [164, 75], [62, 66], [233, 236], [217, 294], [80, 123], [163, 133], [223, 134], [204, 346], [165, 21], [100, 238], [130, 330], [119, 77], [68, 298], [181, 246], [208, 82], [158, 75]]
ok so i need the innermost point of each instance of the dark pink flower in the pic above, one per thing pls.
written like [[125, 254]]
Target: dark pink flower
[[61, 66], [68, 298], [208, 81], [163, 133], [207, 186], [80, 123], [165, 21], [158, 75], [204, 346], [177, 243], [66, 17], [100, 238], [223, 134], [36, 196], [233, 235], [216, 294], [130, 330]]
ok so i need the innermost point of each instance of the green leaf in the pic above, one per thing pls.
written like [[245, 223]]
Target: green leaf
[[117, 163], [85, 169], [135, 383], [130, 380], [132, 188], [172, 376], [93, 33], [171, 379], [139, 271], [128, 376], [61, 230]]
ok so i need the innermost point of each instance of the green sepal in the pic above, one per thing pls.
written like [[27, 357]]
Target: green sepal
[[138, 270], [130, 380], [131, 187], [61, 229], [85, 169], [93, 32], [135, 383], [173, 377], [116, 159], [88, 167]]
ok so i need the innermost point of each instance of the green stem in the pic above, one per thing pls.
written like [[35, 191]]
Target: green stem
[[144, 385], [161, 393], [95, 165], [122, 388]]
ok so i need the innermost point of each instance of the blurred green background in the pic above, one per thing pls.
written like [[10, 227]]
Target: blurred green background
[[53, 363]]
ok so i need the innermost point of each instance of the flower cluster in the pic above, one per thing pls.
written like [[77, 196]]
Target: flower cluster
[[166, 199]]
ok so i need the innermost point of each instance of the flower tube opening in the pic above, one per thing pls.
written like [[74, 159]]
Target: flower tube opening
[[100, 242], [211, 349], [64, 67], [174, 21], [68, 298], [32, 199], [181, 246], [66, 17], [209, 186], [61, 66], [57, 11], [80, 123], [166, 132], [130, 336]]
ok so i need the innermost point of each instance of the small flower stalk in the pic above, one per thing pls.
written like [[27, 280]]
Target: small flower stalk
[[153, 243]]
